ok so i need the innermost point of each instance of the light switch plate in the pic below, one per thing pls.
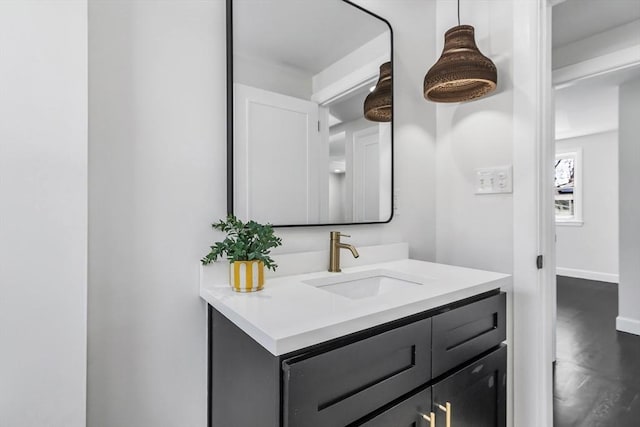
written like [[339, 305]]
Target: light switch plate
[[494, 180]]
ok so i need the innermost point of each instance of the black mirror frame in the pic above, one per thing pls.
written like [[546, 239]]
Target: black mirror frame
[[230, 159]]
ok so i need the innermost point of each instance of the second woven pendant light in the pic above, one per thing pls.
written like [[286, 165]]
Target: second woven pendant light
[[377, 105]]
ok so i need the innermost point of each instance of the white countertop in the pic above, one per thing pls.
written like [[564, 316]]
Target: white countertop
[[288, 314]]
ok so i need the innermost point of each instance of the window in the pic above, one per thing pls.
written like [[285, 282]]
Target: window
[[568, 190]]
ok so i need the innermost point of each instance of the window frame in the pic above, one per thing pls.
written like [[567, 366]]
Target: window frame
[[576, 220]]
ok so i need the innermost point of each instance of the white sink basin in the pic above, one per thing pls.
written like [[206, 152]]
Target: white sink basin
[[366, 284]]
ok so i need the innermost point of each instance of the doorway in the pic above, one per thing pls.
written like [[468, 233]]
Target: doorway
[[597, 368]]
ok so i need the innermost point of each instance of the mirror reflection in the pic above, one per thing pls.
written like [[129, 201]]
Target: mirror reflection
[[303, 151]]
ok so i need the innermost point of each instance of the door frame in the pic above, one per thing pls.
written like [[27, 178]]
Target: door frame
[[534, 224], [534, 296]]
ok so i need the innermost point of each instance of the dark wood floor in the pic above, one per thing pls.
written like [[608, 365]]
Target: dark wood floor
[[597, 373]]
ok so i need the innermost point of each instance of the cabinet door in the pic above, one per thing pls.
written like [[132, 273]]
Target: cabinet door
[[408, 413], [476, 393], [341, 386]]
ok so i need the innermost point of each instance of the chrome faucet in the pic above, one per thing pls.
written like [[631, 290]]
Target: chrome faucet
[[334, 251]]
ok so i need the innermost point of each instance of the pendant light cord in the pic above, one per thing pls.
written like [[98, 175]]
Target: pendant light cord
[[458, 13]]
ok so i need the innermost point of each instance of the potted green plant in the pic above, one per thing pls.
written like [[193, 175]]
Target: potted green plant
[[247, 247]]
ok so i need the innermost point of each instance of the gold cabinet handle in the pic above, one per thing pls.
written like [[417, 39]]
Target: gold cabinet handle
[[431, 418], [447, 410]]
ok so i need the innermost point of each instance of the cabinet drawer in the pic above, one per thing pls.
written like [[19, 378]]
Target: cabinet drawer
[[467, 331], [339, 387], [408, 413]]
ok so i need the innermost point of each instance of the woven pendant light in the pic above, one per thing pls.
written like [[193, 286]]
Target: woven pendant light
[[462, 73], [377, 105]]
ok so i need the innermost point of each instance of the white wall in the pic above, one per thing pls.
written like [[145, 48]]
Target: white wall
[[43, 213], [629, 289], [591, 250], [157, 180], [472, 230], [585, 109]]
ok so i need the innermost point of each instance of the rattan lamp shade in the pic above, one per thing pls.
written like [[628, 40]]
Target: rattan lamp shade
[[462, 73], [377, 105]]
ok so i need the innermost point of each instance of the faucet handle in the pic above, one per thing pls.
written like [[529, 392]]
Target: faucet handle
[[336, 235]]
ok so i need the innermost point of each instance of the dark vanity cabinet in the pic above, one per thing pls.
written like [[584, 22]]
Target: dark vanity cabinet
[[449, 359]]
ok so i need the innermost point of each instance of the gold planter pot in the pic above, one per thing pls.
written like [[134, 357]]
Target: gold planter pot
[[246, 276]]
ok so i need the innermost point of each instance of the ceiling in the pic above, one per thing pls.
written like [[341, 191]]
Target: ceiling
[[590, 105], [574, 20], [351, 107], [307, 35]]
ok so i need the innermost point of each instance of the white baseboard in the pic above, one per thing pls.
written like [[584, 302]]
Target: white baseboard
[[626, 324], [589, 275]]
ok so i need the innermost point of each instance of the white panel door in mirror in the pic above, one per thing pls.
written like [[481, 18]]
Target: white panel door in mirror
[[274, 159]]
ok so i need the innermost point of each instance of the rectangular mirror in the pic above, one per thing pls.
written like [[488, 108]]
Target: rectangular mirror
[[300, 150]]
